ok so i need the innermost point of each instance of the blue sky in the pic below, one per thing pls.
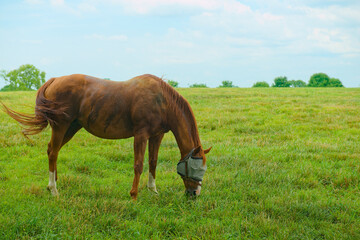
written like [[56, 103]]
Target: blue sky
[[189, 41]]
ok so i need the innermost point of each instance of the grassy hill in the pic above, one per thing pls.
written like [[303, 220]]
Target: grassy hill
[[284, 164]]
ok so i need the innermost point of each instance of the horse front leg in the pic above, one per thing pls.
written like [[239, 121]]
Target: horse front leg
[[139, 152], [154, 145]]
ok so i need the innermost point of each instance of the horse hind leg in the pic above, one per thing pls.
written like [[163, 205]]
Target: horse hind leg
[[54, 146], [72, 130], [60, 136], [154, 145]]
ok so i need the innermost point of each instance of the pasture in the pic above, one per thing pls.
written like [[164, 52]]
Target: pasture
[[284, 165]]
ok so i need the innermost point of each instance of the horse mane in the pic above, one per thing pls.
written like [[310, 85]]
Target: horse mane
[[179, 105]]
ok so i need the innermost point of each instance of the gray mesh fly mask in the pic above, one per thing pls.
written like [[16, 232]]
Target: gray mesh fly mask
[[191, 167]]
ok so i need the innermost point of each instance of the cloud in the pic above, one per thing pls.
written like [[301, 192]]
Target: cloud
[[226, 33], [171, 6], [273, 27], [294, 29], [47, 61], [329, 14], [174, 47], [71, 8], [335, 41], [86, 7], [118, 37], [60, 5], [34, 2], [32, 41], [329, 29], [243, 41], [57, 3], [107, 38]]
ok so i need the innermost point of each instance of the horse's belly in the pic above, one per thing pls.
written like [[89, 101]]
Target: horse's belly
[[113, 130], [117, 134]]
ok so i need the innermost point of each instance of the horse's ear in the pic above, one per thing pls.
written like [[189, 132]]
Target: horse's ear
[[196, 151], [207, 150]]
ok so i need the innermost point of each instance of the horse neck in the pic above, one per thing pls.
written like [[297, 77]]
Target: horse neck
[[183, 125]]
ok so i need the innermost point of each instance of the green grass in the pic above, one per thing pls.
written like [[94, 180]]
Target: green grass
[[284, 165]]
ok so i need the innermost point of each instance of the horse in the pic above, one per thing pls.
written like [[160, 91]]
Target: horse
[[144, 107]]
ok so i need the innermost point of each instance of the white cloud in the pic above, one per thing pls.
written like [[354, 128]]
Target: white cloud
[[60, 5], [168, 6], [57, 3], [334, 41], [233, 27], [77, 10], [118, 37], [243, 41], [332, 29], [32, 41], [47, 61], [86, 7], [227, 33], [286, 30], [266, 17], [107, 38], [34, 2]]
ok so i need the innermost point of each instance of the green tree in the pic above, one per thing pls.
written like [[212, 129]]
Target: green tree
[[319, 80], [173, 83], [198, 85], [334, 82], [26, 77], [281, 82], [297, 83], [8, 88], [261, 84], [227, 84]]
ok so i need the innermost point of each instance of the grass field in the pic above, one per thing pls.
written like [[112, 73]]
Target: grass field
[[285, 164]]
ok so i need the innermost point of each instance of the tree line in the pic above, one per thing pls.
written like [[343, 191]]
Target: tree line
[[316, 80], [224, 84], [28, 77]]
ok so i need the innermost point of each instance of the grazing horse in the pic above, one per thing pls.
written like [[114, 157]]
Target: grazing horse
[[144, 107]]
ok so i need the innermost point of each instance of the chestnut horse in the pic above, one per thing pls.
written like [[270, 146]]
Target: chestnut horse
[[144, 107]]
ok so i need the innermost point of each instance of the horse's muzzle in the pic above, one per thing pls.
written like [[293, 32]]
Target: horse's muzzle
[[193, 192]]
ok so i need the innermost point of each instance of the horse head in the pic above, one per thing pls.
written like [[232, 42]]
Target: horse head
[[192, 169]]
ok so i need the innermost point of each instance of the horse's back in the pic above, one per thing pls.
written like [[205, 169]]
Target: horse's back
[[110, 109], [79, 83]]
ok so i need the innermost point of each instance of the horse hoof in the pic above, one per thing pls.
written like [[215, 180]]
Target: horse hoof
[[133, 195], [53, 191], [153, 189]]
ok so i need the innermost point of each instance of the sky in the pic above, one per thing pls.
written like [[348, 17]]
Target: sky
[[188, 41]]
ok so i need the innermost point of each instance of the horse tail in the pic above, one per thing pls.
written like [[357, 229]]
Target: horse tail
[[46, 112]]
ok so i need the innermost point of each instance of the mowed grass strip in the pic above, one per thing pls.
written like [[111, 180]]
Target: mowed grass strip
[[285, 164]]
